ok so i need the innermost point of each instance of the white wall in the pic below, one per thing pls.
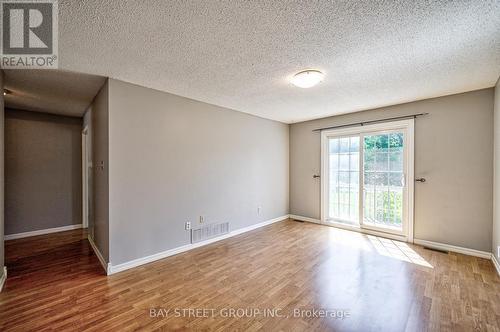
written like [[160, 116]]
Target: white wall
[[453, 151], [173, 159]]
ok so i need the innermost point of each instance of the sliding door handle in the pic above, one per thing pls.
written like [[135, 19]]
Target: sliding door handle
[[421, 180]]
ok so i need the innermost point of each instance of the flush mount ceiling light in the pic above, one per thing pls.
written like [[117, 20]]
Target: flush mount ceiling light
[[307, 78]]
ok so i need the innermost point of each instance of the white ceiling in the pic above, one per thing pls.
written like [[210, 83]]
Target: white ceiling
[[51, 91], [240, 54]]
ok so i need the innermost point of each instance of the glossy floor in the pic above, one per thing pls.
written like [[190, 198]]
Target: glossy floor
[[288, 269]]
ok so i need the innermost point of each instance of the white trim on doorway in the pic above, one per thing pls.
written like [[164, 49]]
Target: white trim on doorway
[[42, 232], [85, 167]]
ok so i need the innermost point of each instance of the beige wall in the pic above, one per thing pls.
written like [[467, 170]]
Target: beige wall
[[43, 178], [173, 159], [453, 150], [496, 195], [100, 174]]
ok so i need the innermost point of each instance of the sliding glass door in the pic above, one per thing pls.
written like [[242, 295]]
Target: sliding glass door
[[365, 172]]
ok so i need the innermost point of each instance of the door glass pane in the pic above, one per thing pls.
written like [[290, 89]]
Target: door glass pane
[[343, 205], [383, 180]]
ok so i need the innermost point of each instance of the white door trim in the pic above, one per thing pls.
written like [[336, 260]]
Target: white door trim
[[409, 126], [85, 217]]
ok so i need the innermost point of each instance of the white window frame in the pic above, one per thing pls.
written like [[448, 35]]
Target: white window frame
[[409, 150]]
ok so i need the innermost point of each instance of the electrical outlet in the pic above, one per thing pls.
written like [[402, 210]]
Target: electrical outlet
[[202, 219], [259, 210], [187, 226]]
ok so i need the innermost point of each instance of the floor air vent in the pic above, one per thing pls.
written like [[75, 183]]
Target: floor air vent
[[209, 231]]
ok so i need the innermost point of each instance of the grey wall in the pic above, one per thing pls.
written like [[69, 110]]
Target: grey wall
[[173, 159], [100, 167], [2, 139], [496, 195], [42, 171], [453, 150]]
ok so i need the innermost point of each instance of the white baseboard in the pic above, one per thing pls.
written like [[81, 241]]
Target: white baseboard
[[3, 277], [105, 266], [41, 232], [496, 264], [151, 258], [301, 218], [449, 247], [430, 244]]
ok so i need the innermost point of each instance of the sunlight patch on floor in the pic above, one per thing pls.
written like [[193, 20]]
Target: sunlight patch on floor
[[397, 250], [349, 239]]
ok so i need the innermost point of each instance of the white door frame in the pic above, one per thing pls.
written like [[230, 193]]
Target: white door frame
[[408, 126], [85, 168]]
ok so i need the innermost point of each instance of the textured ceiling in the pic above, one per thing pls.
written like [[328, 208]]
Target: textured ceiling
[[240, 54], [51, 91]]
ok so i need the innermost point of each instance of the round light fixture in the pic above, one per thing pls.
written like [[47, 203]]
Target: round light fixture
[[307, 78]]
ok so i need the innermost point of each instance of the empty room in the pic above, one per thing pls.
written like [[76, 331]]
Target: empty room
[[250, 165]]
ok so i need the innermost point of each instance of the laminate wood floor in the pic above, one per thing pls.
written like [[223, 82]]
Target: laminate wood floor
[[278, 278]]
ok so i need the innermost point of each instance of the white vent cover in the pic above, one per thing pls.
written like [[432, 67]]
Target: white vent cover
[[209, 231]]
